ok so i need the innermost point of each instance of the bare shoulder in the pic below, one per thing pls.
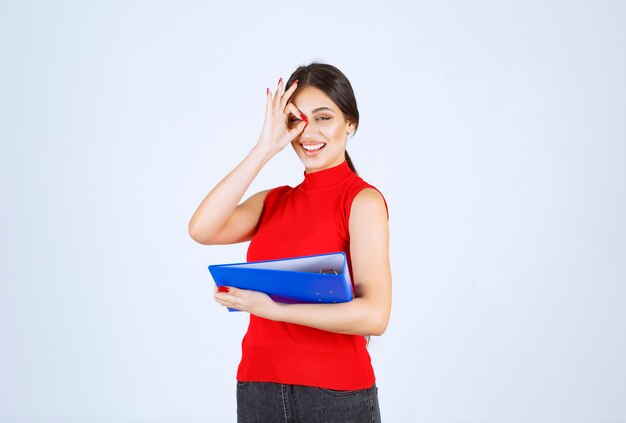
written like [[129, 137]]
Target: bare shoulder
[[368, 203]]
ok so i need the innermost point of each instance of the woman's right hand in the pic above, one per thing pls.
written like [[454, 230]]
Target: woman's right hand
[[276, 133], [220, 218]]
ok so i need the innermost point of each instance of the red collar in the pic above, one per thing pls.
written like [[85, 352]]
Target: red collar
[[327, 177]]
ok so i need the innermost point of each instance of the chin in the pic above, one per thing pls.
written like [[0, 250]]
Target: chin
[[313, 164]]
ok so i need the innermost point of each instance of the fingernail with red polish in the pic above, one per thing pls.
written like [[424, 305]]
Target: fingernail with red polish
[[304, 118], [267, 91], [223, 289], [294, 82], [280, 80]]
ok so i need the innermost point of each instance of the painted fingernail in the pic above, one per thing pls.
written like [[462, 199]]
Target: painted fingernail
[[267, 91], [293, 83], [304, 118], [223, 289], [280, 80]]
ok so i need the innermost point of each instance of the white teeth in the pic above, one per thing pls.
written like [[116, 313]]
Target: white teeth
[[313, 147]]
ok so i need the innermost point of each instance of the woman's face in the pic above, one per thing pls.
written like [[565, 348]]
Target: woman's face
[[322, 144]]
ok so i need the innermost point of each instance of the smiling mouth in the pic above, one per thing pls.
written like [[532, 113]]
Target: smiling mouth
[[313, 147]]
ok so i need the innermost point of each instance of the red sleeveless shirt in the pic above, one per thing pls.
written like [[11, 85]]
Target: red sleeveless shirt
[[311, 218]]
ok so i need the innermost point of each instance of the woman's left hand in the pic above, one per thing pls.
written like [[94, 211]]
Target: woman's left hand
[[254, 302]]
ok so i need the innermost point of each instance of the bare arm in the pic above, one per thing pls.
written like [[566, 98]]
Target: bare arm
[[368, 313], [220, 219]]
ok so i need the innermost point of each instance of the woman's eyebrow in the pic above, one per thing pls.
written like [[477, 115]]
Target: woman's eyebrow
[[321, 108]]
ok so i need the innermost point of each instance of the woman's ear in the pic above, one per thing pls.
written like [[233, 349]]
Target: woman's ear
[[351, 128]]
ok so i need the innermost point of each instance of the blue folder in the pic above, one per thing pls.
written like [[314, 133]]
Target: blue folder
[[321, 278]]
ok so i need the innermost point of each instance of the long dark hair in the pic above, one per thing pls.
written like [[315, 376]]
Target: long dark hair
[[335, 85]]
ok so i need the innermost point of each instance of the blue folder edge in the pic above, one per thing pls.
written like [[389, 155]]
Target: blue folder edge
[[287, 286]]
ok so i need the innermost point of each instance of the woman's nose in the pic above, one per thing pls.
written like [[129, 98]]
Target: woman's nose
[[309, 128]]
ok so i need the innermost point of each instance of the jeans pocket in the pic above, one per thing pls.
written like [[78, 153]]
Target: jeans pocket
[[242, 385], [340, 393]]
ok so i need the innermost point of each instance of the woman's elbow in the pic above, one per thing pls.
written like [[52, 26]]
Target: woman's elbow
[[198, 235], [379, 327], [378, 324]]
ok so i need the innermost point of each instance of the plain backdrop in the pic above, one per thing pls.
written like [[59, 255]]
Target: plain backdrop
[[495, 130]]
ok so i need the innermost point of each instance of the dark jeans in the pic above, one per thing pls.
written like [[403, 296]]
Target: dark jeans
[[264, 402]]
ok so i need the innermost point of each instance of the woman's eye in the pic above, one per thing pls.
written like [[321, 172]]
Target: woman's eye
[[293, 119], [323, 118]]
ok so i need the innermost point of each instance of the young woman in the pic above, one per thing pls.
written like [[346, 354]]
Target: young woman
[[306, 362]]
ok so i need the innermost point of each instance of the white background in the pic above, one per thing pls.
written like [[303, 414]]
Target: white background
[[495, 130]]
